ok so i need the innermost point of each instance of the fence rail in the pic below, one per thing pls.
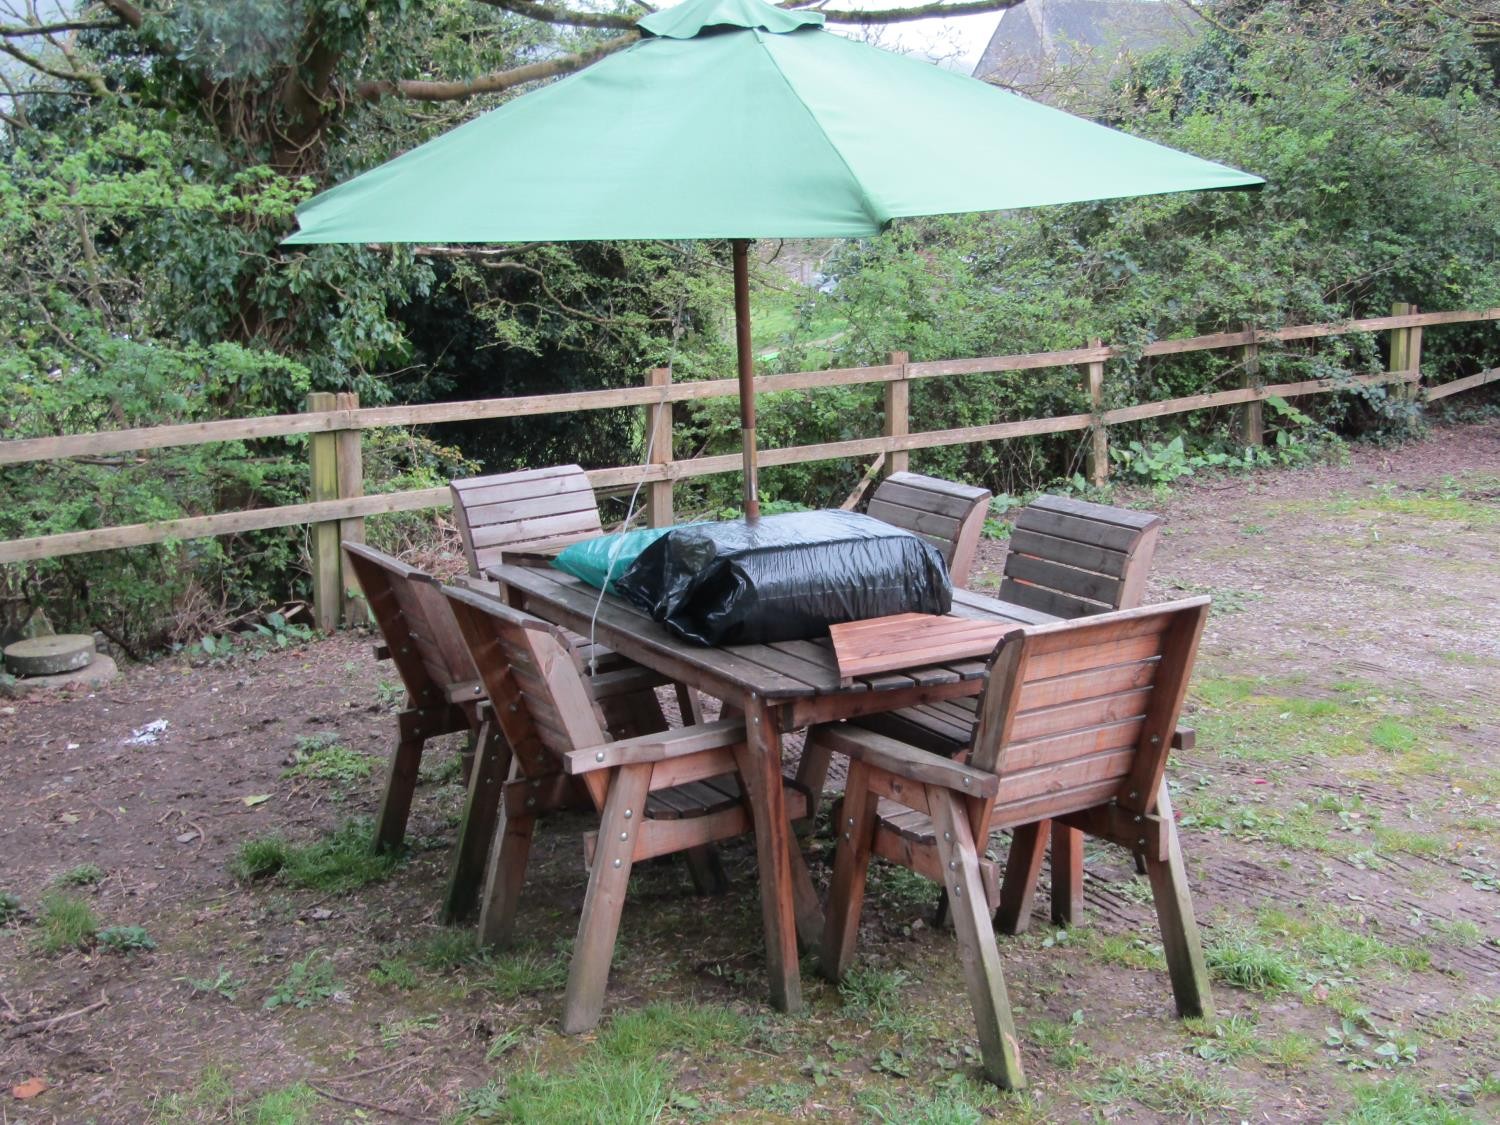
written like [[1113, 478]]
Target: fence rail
[[338, 506]]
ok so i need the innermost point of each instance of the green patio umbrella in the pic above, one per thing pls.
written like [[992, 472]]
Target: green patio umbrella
[[736, 119]]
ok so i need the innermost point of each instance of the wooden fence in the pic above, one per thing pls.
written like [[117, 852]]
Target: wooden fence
[[337, 505]]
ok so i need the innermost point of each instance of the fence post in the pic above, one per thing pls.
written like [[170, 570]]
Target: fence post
[[659, 434], [1253, 413], [898, 414], [1099, 443], [1406, 351], [349, 458], [322, 455]]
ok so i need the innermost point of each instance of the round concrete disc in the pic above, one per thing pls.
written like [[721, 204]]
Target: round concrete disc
[[46, 656]]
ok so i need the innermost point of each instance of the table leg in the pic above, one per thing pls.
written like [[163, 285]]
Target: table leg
[[760, 766]]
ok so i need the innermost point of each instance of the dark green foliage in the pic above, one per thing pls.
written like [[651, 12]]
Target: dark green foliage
[[126, 939], [341, 861]]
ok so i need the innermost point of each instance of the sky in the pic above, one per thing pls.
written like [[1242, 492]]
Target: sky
[[955, 43]]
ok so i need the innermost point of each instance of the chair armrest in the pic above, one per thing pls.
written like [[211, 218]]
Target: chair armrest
[[478, 585], [657, 747], [904, 760], [1184, 738]]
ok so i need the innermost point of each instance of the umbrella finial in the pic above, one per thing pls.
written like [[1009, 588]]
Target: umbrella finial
[[690, 19]]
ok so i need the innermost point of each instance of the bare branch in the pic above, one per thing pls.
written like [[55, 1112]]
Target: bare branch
[[95, 82], [431, 91], [922, 12], [548, 14], [21, 31]]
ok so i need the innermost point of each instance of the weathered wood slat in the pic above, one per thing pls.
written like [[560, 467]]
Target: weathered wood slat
[[1034, 571]]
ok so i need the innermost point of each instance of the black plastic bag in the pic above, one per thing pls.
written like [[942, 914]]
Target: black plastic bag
[[784, 578]]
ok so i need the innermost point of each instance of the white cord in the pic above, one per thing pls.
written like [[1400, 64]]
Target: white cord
[[619, 546]]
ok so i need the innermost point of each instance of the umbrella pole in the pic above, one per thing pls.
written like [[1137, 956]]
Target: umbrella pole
[[747, 374]]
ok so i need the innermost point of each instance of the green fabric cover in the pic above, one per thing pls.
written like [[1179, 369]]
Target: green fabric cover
[[760, 124], [610, 555]]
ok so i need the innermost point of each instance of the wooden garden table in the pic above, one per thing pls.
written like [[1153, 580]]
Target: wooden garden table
[[779, 687]]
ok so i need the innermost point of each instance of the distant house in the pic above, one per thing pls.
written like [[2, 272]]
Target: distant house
[[1056, 50]]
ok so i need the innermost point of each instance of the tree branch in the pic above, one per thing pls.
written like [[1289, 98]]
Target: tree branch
[[922, 12], [127, 12], [431, 91], [95, 82], [547, 14], [21, 31]]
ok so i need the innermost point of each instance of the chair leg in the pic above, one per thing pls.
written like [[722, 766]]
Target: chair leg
[[476, 829], [707, 870], [505, 874], [998, 1045], [851, 862], [812, 775], [401, 783], [1067, 875], [1179, 928], [1023, 863], [594, 948], [689, 706]]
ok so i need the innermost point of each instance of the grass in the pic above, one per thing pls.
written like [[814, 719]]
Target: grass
[[1401, 1101], [307, 983], [320, 757], [126, 939], [214, 1098], [1167, 1087], [341, 861], [84, 875], [65, 923], [624, 1077], [1238, 958]]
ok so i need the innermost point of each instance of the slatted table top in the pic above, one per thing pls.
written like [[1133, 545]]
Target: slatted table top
[[783, 671]]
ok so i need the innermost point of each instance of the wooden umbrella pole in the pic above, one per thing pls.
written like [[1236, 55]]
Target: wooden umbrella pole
[[747, 373]]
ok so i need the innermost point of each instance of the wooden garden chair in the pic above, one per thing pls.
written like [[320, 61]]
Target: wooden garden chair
[[1067, 559], [657, 794], [444, 695], [536, 511], [948, 515], [1073, 727]]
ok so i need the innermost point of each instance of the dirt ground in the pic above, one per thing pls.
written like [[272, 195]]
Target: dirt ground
[[1340, 815]]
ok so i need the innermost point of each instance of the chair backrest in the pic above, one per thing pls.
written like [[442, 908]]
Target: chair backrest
[[531, 510], [950, 516], [414, 619], [531, 675], [1071, 558], [1079, 713]]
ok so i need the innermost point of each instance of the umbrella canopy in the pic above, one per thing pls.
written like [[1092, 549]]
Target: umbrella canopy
[[737, 119]]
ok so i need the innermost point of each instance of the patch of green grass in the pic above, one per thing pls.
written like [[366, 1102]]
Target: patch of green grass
[[1165, 1087], [1401, 1101], [224, 984], [441, 769], [307, 982], [1459, 931], [779, 1097], [1480, 1018], [320, 757], [1238, 958], [958, 1101], [1394, 735], [396, 972], [126, 939], [339, 862], [868, 989], [1224, 1040], [512, 974], [1060, 1040], [1291, 1051], [84, 875], [1392, 840], [214, 1098], [65, 923], [1337, 944], [446, 950], [391, 1034], [1128, 950], [625, 1077], [10, 908]]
